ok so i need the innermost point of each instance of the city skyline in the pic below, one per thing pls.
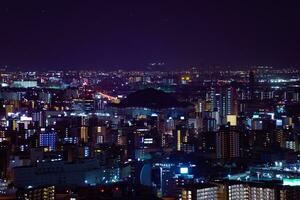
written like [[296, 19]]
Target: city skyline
[[152, 100]]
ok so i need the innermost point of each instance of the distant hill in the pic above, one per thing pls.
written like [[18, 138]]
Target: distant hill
[[151, 98]]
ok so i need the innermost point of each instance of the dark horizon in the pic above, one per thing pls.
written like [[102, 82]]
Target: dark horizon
[[101, 35]]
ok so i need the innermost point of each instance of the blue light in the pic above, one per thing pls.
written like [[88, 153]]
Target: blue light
[[154, 115], [184, 170], [279, 122], [48, 140]]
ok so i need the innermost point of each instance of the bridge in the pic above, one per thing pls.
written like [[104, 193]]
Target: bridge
[[109, 97]]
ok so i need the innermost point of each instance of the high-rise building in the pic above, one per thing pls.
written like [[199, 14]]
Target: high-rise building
[[227, 142], [200, 192], [4, 154], [211, 97], [84, 134], [236, 190], [229, 105], [182, 138], [251, 85]]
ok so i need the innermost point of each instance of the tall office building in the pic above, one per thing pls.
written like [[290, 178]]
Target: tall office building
[[211, 97], [227, 142], [229, 105]]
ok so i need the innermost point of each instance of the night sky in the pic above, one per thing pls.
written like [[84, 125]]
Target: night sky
[[101, 34]]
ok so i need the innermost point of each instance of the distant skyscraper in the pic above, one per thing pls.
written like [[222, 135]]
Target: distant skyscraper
[[251, 85], [211, 97], [229, 105]]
